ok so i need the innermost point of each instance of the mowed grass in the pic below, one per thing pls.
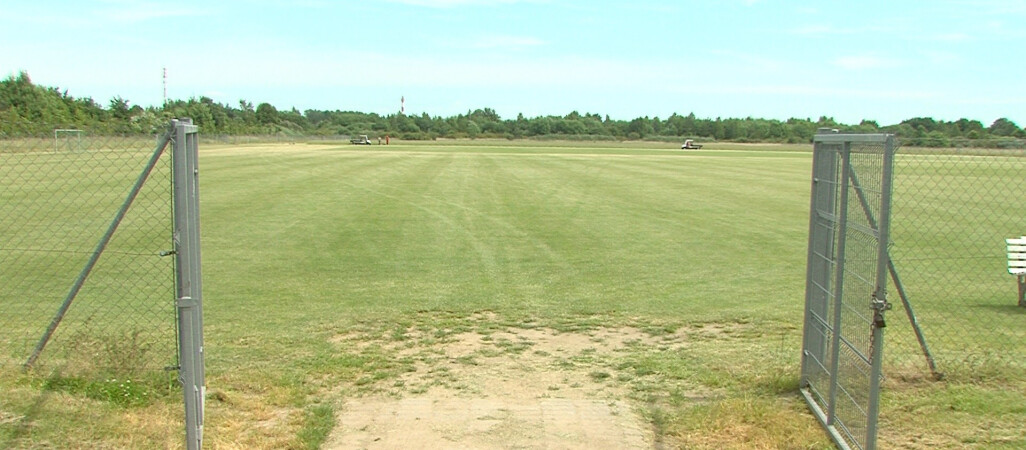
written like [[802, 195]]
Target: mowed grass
[[304, 243], [339, 233]]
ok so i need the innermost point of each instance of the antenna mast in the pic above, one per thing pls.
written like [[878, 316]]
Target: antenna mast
[[165, 86]]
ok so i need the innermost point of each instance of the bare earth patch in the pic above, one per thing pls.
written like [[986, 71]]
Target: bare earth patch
[[430, 421], [514, 388]]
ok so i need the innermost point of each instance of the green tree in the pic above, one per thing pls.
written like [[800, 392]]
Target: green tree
[[593, 126], [935, 139], [1003, 127], [539, 126], [869, 124], [246, 112], [27, 107], [424, 122], [966, 126], [473, 129], [266, 114], [640, 127]]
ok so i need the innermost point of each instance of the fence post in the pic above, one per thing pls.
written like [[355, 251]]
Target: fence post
[[188, 286]]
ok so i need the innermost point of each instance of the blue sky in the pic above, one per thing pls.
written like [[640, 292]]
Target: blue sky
[[879, 60]]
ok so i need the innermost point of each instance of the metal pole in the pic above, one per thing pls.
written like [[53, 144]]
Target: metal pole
[[188, 286], [100, 247], [880, 305], [900, 287], [839, 281], [1022, 290]]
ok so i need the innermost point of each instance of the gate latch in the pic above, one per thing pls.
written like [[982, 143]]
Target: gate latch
[[879, 306]]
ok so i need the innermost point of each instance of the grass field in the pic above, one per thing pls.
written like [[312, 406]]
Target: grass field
[[336, 272]]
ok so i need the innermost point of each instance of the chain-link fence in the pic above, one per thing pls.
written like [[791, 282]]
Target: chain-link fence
[[86, 284], [953, 210], [240, 139]]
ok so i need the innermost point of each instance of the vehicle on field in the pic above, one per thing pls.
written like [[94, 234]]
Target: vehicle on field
[[690, 145], [360, 140]]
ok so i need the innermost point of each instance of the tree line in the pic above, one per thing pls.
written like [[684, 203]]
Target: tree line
[[26, 107]]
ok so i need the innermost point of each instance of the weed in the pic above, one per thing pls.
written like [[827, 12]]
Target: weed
[[122, 392], [467, 360], [318, 421]]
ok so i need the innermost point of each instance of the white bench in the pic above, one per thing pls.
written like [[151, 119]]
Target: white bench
[[1017, 264]]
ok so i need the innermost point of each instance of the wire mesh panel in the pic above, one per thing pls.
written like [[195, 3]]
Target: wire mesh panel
[[84, 288], [846, 281], [953, 210]]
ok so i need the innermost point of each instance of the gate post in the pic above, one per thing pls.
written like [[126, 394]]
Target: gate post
[[188, 286]]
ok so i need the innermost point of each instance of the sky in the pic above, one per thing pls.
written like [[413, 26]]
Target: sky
[[878, 60]]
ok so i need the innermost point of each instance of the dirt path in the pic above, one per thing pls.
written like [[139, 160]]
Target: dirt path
[[518, 388], [489, 423]]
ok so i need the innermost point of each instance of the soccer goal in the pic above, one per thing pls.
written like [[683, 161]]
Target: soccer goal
[[68, 140]]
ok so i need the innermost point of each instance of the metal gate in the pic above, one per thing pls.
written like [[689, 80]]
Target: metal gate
[[845, 292]]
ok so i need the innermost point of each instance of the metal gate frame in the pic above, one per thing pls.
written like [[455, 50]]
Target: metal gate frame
[[846, 281]]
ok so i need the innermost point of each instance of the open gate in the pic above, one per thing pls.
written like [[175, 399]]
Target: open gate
[[846, 279]]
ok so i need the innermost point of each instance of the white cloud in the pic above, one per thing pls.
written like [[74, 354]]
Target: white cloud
[[507, 42], [943, 58], [215, 94], [951, 37], [138, 11], [815, 29], [819, 29], [454, 3], [994, 7], [805, 90], [753, 61], [864, 62], [103, 14], [238, 66]]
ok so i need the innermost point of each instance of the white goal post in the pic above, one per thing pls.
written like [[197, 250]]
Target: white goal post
[[65, 139]]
